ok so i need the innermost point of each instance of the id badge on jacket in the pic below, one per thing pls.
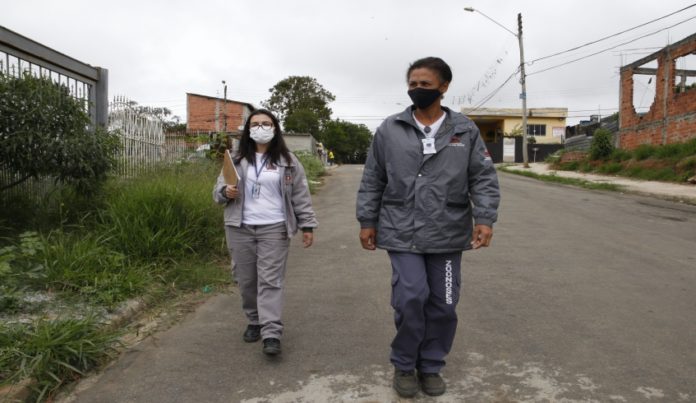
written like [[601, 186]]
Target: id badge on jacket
[[428, 146]]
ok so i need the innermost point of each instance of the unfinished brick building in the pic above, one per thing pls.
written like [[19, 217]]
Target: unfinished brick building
[[672, 115], [211, 114]]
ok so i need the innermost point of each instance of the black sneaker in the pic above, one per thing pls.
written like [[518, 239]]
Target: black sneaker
[[431, 384], [252, 333], [271, 346], [405, 383]]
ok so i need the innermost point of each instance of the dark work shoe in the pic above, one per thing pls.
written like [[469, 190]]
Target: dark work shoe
[[431, 384], [271, 346], [405, 383], [252, 333]]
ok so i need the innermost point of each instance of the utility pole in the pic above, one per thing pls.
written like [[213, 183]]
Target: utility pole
[[523, 95], [224, 106]]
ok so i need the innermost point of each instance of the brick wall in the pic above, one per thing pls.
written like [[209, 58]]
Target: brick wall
[[207, 114], [672, 116]]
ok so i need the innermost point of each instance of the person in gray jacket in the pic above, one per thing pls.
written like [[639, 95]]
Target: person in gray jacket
[[429, 191], [262, 213]]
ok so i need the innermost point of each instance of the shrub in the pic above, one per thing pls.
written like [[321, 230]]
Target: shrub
[[602, 145], [569, 166], [314, 169], [643, 151], [621, 155], [610, 168], [45, 131]]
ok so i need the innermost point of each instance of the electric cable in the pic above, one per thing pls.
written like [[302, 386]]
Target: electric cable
[[613, 35], [610, 48]]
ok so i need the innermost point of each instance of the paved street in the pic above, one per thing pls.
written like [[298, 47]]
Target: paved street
[[584, 296]]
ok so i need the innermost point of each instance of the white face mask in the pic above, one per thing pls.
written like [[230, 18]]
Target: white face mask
[[261, 135]]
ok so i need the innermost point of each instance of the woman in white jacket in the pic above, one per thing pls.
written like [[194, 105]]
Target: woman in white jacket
[[262, 213]]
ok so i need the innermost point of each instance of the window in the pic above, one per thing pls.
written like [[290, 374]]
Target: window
[[536, 130]]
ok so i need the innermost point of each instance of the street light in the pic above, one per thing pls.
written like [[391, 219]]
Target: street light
[[523, 78], [224, 111]]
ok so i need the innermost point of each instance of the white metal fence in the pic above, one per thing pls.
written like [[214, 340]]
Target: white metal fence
[[142, 138]]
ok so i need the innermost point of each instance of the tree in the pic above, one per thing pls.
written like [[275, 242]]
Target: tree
[[44, 131], [300, 96], [302, 121], [170, 123], [348, 141]]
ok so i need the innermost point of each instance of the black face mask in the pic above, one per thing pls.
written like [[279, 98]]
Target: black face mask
[[423, 97]]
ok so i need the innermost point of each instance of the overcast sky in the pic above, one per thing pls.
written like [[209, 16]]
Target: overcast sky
[[359, 50]]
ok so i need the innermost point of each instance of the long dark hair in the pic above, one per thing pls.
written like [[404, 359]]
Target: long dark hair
[[276, 148]]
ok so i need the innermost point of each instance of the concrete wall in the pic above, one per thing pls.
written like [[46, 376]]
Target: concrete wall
[[207, 114], [672, 116], [300, 142]]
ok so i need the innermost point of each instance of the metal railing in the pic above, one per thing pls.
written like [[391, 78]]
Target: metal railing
[[20, 55]]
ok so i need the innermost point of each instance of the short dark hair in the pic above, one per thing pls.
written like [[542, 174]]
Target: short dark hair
[[276, 148], [432, 63]]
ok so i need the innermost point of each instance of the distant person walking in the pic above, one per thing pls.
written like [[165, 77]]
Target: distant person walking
[[331, 158], [429, 191], [262, 213]]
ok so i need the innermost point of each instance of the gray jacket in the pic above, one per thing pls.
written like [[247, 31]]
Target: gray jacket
[[297, 202], [425, 203]]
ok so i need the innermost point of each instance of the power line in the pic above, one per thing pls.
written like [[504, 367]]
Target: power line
[[613, 35], [492, 94], [610, 48]]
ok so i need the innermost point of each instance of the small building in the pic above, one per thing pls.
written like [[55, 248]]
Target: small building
[[546, 125], [213, 115], [301, 142], [672, 114]]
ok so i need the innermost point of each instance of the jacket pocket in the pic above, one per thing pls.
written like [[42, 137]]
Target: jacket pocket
[[457, 204], [387, 202]]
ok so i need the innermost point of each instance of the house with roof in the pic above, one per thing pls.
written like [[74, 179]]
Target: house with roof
[[546, 125]]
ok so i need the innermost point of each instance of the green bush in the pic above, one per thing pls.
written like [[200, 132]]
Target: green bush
[[314, 168], [53, 352], [569, 166], [610, 168], [44, 130], [643, 152], [602, 145], [621, 155]]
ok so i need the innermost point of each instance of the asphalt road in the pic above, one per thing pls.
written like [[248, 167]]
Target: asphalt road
[[583, 296]]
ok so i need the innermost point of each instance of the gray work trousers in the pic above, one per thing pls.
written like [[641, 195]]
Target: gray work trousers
[[260, 254], [425, 293]]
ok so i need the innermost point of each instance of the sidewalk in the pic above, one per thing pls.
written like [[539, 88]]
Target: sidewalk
[[663, 190]]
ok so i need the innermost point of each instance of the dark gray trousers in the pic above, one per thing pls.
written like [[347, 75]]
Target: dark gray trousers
[[425, 293], [260, 254]]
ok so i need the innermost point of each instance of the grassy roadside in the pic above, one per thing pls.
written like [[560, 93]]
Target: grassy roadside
[[562, 180], [152, 238], [668, 163], [69, 266], [314, 169]]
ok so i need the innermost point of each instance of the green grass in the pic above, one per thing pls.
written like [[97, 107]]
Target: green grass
[[84, 266], [155, 236], [167, 215], [52, 353], [565, 181], [668, 163], [314, 169]]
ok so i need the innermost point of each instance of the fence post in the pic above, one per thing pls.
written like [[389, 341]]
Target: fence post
[[102, 97]]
